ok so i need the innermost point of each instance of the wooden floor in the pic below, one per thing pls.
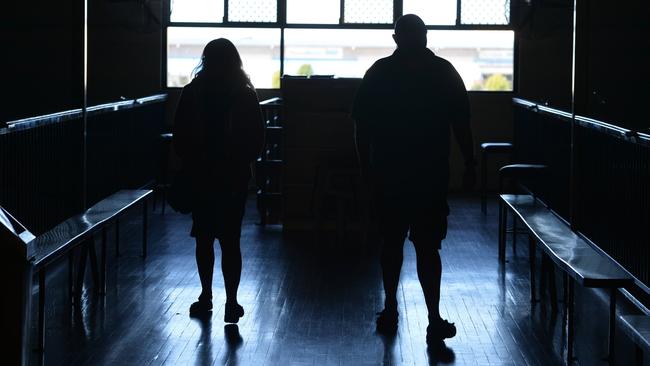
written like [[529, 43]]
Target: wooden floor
[[304, 305]]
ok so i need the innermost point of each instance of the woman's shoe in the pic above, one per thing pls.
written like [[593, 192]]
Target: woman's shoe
[[232, 313], [387, 321], [438, 330], [201, 307]]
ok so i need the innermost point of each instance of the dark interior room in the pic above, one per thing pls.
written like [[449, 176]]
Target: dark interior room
[[325, 182]]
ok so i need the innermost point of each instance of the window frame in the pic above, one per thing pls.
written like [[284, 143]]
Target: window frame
[[282, 24]]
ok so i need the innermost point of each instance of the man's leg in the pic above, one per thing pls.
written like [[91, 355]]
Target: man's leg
[[392, 256], [429, 269], [231, 264]]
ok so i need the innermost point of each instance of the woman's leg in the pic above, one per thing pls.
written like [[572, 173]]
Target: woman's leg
[[231, 264], [205, 264]]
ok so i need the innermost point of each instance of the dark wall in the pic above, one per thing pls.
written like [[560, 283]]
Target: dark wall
[[43, 54], [545, 36], [124, 49], [613, 78], [42, 57]]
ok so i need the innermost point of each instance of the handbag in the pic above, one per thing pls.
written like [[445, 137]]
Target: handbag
[[181, 196]]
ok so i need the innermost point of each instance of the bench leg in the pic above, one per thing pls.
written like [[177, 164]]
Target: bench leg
[[484, 183], [612, 325], [144, 228], [514, 234], [502, 231], [570, 325], [117, 237], [40, 347], [531, 256], [71, 275], [94, 270], [81, 273], [102, 270]]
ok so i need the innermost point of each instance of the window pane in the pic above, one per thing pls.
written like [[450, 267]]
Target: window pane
[[432, 12], [253, 11], [313, 11], [485, 12], [482, 58], [339, 52], [259, 49], [196, 11], [369, 11]]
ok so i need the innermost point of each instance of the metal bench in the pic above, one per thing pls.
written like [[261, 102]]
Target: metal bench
[[54, 244], [571, 253], [637, 327]]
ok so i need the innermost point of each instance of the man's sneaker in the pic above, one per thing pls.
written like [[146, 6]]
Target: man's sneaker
[[232, 313], [439, 330], [201, 307], [387, 321]]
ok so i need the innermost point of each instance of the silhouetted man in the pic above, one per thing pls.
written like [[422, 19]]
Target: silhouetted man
[[404, 111]]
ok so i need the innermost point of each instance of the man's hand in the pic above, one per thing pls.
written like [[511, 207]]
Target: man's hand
[[469, 178]]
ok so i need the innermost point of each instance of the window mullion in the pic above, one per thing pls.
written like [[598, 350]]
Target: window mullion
[[398, 9], [342, 12], [458, 12], [225, 11]]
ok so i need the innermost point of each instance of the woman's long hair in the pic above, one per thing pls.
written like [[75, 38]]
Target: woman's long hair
[[221, 62]]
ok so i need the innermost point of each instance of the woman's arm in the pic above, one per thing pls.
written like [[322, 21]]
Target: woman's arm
[[246, 126]]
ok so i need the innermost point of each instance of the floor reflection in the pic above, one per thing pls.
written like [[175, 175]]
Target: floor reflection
[[234, 341], [204, 344]]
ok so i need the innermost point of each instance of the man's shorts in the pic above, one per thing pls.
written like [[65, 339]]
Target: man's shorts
[[424, 220]]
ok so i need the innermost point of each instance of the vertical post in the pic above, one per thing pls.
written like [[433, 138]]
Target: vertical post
[[84, 108], [144, 228], [570, 325], [612, 325]]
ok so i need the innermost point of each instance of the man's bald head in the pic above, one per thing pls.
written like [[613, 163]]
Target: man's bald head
[[410, 32]]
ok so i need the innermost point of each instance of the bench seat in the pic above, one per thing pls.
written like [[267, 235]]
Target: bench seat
[[57, 241], [587, 266]]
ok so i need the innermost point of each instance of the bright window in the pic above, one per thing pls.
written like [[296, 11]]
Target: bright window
[[317, 43], [196, 11], [313, 11], [259, 49], [432, 12]]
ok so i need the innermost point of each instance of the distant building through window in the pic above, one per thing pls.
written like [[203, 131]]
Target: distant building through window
[[319, 40]]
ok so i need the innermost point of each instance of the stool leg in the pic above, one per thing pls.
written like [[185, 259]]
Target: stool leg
[[531, 256], [164, 199], [612, 325], [484, 182]]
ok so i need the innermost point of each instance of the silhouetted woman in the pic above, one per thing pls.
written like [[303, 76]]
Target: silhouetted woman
[[218, 132]]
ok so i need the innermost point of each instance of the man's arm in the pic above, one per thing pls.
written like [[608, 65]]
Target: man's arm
[[363, 147], [463, 131]]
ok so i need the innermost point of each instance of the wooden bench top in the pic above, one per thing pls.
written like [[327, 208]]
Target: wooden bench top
[[569, 251], [637, 327], [52, 244]]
